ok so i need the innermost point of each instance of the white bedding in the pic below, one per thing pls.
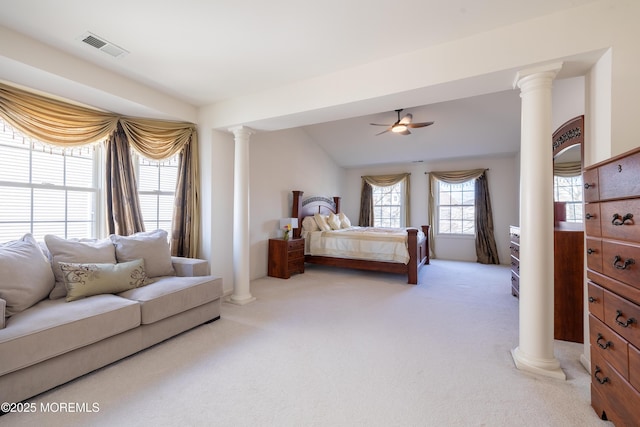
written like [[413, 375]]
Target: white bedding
[[368, 243]]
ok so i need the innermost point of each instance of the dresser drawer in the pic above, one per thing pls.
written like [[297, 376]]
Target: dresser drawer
[[621, 261], [594, 254], [590, 179], [515, 264], [515, 283], [514, 234], [619, 219], [620, 178], [295, 244], [611, 346], [634, 367], [592, 219], [596, 300], [622, 316], [515, 250], [619, 399]]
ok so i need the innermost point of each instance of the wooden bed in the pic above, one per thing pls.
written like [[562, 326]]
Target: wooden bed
[[418, 248]]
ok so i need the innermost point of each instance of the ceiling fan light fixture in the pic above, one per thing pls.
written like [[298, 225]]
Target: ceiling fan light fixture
[[399, 128]]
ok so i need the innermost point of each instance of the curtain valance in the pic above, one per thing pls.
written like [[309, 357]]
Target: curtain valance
[[567, 169], [366, 198], [64, 124]]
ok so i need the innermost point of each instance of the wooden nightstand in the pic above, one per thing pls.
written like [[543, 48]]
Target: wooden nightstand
[[286, 257]]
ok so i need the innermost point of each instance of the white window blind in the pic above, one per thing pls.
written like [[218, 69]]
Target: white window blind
[[456, 208], [45, 189], [156, 191], [388, 205]]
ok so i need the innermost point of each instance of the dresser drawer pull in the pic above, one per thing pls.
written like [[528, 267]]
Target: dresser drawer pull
[[588, 186], [589, 216], [592, 299], [626, 323], [627, 262], [622, 220], [605, 345], [590, 251], [600, 380]]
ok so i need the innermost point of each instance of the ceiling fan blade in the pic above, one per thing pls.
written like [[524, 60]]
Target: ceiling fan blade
[[419, 125], [406, 119], [377, 124], [384, 131]]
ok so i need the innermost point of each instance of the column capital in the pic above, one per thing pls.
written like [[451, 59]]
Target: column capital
[[544, 71], [241, 131]]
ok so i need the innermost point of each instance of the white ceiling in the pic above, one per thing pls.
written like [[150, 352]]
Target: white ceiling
[[203, 52]]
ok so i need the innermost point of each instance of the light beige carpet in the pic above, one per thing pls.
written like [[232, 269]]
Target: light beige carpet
[[340, 348]]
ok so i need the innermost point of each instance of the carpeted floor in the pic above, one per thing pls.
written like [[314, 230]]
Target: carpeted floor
[[340, 348]]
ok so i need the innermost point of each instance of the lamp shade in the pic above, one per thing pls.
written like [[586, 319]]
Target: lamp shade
[[289, 221]]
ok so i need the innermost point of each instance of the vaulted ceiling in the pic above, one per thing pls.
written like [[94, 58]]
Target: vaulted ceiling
[[206, 52]]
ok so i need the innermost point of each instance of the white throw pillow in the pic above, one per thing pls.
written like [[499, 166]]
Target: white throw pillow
[[309, 224], [344, 221], [152, 246], [25, 274], [76, 251], [333, 221], [321, 220]]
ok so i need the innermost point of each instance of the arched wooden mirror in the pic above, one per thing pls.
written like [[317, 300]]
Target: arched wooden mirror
[[568, 142], [568, 248]]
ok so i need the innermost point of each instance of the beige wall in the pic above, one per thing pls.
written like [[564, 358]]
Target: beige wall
[[282, 161]]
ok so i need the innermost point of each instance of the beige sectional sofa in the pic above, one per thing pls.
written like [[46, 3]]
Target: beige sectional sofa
[[48, 340]]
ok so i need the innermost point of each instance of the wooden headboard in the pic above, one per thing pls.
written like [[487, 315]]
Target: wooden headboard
[[310, 206]]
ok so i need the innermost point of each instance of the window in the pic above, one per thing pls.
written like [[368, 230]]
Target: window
[[456, 208], [569, 191], [45, 189], [156, 190], [388, 205]]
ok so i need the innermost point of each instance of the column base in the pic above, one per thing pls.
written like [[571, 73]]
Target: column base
[[240, 301], [546, 367]]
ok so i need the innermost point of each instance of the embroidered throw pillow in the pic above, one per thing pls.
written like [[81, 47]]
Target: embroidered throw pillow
[[85, 280]]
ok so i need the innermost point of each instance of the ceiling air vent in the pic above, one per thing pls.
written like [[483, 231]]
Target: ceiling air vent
[[103, 45]]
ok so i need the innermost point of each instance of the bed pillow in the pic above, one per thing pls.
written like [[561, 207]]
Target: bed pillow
[[344, 220], [25, 275], [333, 221], [85, 280], [309, 224], [321, 220], [76, 251], [152, 246]]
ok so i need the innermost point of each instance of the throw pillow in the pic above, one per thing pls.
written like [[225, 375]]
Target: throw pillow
[[76, 251], [333, 221], [152, 246], [309, 224], [25, 274], [344, 220], [321, 220], [85, 280]]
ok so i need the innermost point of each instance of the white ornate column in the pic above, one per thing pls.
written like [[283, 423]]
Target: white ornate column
[[535, 352], [241, 240]]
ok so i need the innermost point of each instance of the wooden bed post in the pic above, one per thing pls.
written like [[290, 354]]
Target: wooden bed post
[[336, 200], [296, 211], [414, 261]]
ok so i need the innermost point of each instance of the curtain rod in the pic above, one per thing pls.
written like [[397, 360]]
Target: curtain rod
[[486, 169]]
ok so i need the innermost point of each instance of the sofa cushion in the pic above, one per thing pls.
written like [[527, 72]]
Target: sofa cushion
[[54, 327], [152, 246], [25, 274], [171, 295], [85, 280], [77, 251]]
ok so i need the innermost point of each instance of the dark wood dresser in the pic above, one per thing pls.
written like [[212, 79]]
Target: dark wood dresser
[[568, 286], [286, 257], [612, 224]]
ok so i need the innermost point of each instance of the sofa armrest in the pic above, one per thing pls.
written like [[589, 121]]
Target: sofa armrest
[[3, 305], [190, 267]]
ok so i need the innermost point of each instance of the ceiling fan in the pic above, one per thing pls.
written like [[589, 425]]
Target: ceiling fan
[[401, 126]]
